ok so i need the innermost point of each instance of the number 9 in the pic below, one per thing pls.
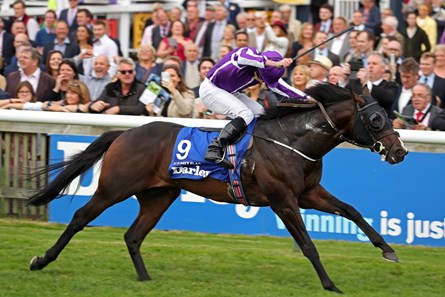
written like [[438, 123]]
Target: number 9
[[184, 147]]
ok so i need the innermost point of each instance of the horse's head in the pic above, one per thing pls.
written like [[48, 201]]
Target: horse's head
[[373, 129]]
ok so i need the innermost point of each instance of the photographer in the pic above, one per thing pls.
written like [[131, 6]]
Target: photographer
[[365, 45], [174, 45]]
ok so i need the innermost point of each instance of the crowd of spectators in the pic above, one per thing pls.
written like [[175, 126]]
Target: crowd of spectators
[[70, 63]]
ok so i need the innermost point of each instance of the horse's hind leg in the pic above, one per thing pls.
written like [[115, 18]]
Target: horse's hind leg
[[81, 218], [153, 204], [322, 200]]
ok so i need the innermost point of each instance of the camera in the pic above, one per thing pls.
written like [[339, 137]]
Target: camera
[[165, 76], [356, 65]]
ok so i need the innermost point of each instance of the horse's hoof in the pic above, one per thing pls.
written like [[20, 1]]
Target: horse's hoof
[[33, 264], [391, 256]]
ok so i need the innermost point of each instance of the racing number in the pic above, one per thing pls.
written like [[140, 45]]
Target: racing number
[[184, 147]]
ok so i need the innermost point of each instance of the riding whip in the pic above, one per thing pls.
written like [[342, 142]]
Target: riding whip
[[327, 40]]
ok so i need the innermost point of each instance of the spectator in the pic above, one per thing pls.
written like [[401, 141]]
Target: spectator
[[257, 39], [232, 10], [147, 36], [201, 35], [277, 38], [389, 28], [18, 27], [204, 67], [69, 15], [365, 45], [190, 69], [415, 38], [305, 42], [394, 58], [293, 25], [224, 50], [438, 14], [300, 76], [436, 83], [250, 19], [439, 66], [337, 77], [357, 21], [77, 99], [32, 27], [340, 45], [53, 62], [241, 21], [214, 33], [372, 76], [176, 14], [47, 33], [6, 50], [323, 49], [371, 15], [162, 30], [325, 24], [409, 75], [84, 17], [319, 69], [427, 24], [20, 41], [29, 61], [6, 22], [193, 22], [438, 123], [175, 44], [23, 94], [228, 38], [182, 100], [67, 73], [61, 43], [104, 45], [121, 96], [98, 78], [146, 62], [421, 109], [84, 60], [241, 39]]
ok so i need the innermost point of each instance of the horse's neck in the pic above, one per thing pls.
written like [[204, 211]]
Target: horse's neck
[[311, 132]]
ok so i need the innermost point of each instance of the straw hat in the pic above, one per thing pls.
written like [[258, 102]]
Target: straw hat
[[323, 62]]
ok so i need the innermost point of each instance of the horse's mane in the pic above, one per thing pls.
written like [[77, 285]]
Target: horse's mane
[[326, 93]]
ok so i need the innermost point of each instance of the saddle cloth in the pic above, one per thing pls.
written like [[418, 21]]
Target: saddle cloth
[[188, 155]]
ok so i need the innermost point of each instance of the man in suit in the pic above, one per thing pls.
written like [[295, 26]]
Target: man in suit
[[325, 24], [293, 26], [41, 82], [69, 15], [371, 15], [190, 71], [421, 109], [436, 83], [61, 43], [323, 49], [340, 45], [372, 76], [32, 27], [409, 75], [162, 30], [389, 28], [214, 33]]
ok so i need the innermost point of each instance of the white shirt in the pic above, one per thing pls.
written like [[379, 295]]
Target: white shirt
[[32, 27], [337, 44], [146, 37], [191, 77], [106, 46], [404, 98], [370, 84], [33, 78], [430, 79]]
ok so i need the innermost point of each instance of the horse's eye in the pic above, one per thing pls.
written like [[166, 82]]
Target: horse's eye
[[376, 120]]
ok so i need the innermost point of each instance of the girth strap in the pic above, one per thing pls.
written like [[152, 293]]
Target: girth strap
[[235, 177]]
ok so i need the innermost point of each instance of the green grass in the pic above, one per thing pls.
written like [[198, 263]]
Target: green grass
[[96, 263]]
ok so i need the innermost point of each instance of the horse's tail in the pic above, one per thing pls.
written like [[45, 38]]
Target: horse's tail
[[72, 169]]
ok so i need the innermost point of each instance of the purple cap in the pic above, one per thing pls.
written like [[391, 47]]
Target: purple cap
[[269, 74]]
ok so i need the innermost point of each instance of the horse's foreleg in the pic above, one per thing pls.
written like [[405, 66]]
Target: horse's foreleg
[[294, 223], [81, 218], [153, 204], [322, 200]]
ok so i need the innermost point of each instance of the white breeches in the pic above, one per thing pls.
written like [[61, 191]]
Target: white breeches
[[233, 105]]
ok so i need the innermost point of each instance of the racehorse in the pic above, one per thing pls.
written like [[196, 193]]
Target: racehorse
[[285, 177]]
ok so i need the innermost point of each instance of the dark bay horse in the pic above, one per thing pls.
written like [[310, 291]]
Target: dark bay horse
[[285, 177]]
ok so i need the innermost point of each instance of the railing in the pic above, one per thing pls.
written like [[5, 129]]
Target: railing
[[23, 147], [345, 8]]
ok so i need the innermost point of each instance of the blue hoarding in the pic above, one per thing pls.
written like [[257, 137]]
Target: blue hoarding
[[404, 202]]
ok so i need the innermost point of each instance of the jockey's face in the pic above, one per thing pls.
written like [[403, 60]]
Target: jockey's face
[[257, 76]]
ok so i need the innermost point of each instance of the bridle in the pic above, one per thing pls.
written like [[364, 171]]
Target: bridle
[[368, 123]]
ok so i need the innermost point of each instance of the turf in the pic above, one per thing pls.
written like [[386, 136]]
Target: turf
[[96, 263]]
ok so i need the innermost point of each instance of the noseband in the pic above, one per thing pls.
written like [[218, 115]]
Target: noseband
[[361, 124]]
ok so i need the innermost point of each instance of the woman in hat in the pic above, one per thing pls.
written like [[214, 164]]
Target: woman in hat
[[221, 92]]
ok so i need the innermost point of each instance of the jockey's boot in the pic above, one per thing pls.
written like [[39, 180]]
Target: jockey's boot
[[229, 134]]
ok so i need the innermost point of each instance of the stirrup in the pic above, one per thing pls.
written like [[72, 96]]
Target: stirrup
[[224, 162]]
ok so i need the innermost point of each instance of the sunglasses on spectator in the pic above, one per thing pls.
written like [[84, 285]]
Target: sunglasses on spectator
[[126, 71]]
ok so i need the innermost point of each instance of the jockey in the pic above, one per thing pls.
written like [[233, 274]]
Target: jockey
[[221, 92]]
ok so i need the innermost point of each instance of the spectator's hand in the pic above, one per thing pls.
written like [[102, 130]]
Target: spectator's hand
[[169, 86], [16, 100], [346, 69], [149, 109], [420, 126], [362, 76], [112, 110], [99, 106], [398, 124]]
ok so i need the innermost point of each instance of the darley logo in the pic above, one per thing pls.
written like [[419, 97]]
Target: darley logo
[[190, 170]]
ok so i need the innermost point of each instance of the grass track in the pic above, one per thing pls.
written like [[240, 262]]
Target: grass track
[[96, 263]]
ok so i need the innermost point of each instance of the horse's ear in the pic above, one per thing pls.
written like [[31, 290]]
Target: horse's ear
[[357, 98]]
